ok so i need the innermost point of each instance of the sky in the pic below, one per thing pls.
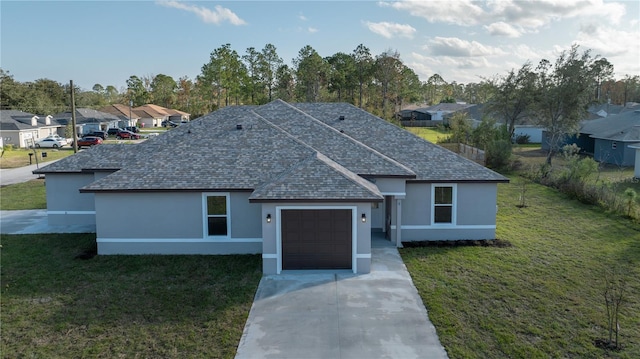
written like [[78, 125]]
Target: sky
[[106, 42]]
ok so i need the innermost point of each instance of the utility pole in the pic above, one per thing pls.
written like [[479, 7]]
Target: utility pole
[[73, 117]]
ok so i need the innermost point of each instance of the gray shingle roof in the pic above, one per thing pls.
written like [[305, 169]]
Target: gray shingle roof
[[283, 151], [86, 115], [13, 120], [317, 177], [430, 162], [341, 148], [622, 127]]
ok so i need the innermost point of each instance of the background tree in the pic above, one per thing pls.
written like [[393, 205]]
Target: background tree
[[284, 83], [364, 69], [435, 89], [310, 74], [136, 91], [224, 74], [408, 88], [513, 96], [562, 95], [342, 76], [602, 71], [163, 90], [388, 73], [269, 66], [254, 86]]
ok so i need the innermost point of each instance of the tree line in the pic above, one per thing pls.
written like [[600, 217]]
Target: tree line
[[380, 84]]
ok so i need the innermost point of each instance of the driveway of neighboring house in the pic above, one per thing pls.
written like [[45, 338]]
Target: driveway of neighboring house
[[32, 220], [21, 174], [376, 315]]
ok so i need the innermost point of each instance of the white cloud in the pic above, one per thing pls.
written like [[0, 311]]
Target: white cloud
[[312, 30], [453, 46], [533, 14], [509, 17], [221, 14], [302, 17], [623, 46], [390, 30], [502, 29], [460, 12]]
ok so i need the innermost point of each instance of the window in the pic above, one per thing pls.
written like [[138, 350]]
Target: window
[[217, 219], [614, 145], [443, 204]]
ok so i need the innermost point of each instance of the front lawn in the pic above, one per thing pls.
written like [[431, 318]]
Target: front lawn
[[543, 296], [20, 157], [56, 306], [24, 195]]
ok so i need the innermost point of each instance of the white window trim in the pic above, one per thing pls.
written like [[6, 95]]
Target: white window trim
[[454, 201], [205, 215]]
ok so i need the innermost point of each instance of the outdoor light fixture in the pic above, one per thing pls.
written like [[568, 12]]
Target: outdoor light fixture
[[364, 218], [269, 218]]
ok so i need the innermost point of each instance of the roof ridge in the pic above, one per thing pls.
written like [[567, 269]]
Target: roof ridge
[[340, 133], [346, 173]]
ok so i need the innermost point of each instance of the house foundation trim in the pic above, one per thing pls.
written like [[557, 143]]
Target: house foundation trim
[[58, 213], [178, 240], [363, 255], [471, 226]]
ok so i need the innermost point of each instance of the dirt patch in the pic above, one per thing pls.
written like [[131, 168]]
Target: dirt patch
[[88, 254], [606, 344], [459, 243]]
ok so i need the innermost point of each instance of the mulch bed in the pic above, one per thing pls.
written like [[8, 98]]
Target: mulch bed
[[459, 243]]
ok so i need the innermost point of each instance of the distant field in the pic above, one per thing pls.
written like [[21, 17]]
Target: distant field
[[430, 134]]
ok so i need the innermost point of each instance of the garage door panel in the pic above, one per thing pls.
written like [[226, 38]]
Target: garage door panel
[[316, 239]]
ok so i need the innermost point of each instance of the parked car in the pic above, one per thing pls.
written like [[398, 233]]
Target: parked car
[[125, 134], [89, 141], [113, 131], [51, 142], [102, 134], [132, 129], [167, 123]]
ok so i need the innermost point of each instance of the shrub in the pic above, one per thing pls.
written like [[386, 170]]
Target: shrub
[[523, 139]]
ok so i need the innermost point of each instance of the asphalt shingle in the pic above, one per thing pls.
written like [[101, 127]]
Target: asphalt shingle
[[279, 151]]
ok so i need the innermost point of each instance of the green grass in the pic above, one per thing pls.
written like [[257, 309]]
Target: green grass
[[55, 306], [430, 134], [540, 298], [25, 195], [20, 157]]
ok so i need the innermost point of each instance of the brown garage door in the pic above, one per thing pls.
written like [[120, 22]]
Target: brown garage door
[[316, 239]]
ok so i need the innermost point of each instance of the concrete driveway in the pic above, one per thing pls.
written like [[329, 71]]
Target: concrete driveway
[[35, 221], [377, 315]]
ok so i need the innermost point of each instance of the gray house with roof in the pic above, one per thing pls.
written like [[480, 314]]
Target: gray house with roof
[[303, 184], [89, 120], [608, 139], [21, 129]]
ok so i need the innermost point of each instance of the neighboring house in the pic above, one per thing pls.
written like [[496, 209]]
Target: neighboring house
[[153, 115], [304, 184], [608, 139], [431, 116], [21, 129], [125, 113], [636, 168], [88, 120]]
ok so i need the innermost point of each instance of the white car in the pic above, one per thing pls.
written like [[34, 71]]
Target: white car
[[51, 142]]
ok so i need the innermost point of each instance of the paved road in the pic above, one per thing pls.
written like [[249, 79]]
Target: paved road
[[20, 174]]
